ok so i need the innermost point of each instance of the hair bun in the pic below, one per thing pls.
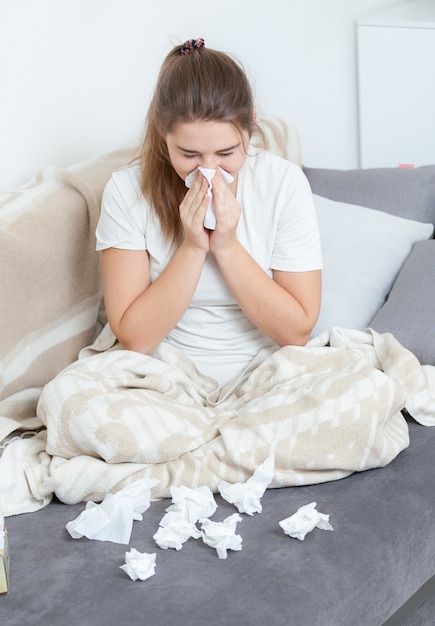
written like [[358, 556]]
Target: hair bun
[[190, 45]]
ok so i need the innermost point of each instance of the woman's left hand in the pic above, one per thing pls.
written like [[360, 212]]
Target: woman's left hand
[[227, 211]]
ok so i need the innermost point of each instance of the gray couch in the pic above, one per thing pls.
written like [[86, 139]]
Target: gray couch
[[377, 567]]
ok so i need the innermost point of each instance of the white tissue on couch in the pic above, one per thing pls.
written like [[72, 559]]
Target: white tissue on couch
[[112, 519], [304, 521], [175, 533], [246, 496], [179, 523], [139, 565], [222, 535]]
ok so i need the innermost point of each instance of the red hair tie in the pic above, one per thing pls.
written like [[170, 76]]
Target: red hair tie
[[190, 45]]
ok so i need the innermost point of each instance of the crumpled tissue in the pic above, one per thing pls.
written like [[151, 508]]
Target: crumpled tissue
[[210, 216], [246, 496], [112, 519], [221, 535], [139, 565], [179, 523], [175, 534], [304, 521]]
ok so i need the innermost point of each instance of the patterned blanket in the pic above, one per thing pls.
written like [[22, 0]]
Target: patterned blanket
[[327, 410]]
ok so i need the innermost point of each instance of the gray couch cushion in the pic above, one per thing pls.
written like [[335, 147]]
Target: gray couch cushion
[[406, 192], [381, 551], [409, 193], [409, 310]]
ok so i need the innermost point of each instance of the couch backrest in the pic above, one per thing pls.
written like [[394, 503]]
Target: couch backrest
[[49, 277], [405, 192]]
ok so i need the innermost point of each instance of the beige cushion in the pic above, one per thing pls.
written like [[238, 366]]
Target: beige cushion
[[282, 138]]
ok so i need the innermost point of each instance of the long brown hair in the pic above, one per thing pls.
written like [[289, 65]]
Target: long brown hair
[[205, 85]]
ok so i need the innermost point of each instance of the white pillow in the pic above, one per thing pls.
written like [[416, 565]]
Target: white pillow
[[363, 251]]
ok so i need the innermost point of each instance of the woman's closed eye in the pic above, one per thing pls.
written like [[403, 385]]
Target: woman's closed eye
[[193, 156]]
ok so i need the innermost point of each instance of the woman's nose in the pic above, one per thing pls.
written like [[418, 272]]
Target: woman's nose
[[210, 162]]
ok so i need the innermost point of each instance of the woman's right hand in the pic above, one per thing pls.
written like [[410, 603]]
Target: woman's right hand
[[192, 214]]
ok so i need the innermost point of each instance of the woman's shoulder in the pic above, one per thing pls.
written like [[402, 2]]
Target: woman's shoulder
[[127, 177], [123, 186], [124, 215]]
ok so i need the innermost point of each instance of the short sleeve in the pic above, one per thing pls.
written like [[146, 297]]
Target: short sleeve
[[123, 217], [297, 242]]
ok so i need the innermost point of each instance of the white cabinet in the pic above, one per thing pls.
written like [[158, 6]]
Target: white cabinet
[[396, 86]]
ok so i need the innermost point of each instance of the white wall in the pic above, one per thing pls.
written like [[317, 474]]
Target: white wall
[[76, 75]]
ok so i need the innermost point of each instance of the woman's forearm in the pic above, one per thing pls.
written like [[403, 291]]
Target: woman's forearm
[[285, 314], [147, 319]]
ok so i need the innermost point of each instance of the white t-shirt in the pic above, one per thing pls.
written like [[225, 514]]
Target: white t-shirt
[[278, 227]]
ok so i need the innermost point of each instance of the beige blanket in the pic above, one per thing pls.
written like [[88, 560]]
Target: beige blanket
[[327, 410], [49, 280]]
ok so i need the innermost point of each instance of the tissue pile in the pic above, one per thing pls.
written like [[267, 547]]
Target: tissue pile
[[112, 520], [179, 523], [189, 507]]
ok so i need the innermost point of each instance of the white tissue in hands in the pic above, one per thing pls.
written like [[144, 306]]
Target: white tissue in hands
[[304, 521], [139, 565], [221, 535], [112, 519], [210, 216], [246, 496], [178, 524]]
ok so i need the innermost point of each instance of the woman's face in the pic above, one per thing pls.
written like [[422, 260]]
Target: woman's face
[[206, 144]]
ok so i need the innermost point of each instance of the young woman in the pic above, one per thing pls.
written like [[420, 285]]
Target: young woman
[[218, 295], [197, 313], [200, 375]]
